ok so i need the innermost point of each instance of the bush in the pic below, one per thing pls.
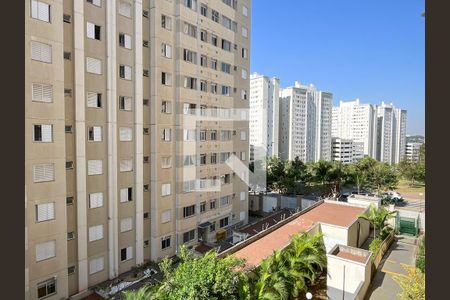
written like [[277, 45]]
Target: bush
[[420, 259], [413, 285], [375, 245]]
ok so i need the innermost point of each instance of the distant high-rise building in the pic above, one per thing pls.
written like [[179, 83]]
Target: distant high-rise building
[[129, 128], [391, 133], [346, 150], [356, 121], [412, 151], [305, 123], [263, 116]]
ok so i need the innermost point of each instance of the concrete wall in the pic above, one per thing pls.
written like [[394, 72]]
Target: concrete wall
[[333, 235], [361, 225]]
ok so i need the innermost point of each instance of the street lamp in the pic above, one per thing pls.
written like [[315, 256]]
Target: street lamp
[[308, 296]]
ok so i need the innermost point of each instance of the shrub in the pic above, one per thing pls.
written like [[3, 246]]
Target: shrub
[[375, 245], [420, 259], [413, 285]]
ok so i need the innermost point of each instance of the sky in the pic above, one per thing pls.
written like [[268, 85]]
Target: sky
[[372, 50]]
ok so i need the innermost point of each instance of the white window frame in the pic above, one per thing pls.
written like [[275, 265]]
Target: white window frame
[[96, 265], [125, 134], [166, 50], [166, 216], [166, 189], [45, 212], [93, 100], [124, 193], [94, 167], [125, 9], [126, 224], [126, 165], [93, 66], [46, 133], [41, 52], [45, 250], [95, 233], [48, 171], [126, 41], [41, 92], [96, 133], [95, 200], [40, 11]]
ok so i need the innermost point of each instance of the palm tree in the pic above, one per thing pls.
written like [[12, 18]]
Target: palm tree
[[377, 217]]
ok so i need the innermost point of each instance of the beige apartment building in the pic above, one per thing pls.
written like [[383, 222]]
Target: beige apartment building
[[129, 128]]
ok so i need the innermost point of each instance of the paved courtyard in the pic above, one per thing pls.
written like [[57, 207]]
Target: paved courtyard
[[400, 254]]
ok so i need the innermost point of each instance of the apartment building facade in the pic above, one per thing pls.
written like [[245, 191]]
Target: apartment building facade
[[305, 123], [358, 122], [130, 122], [412, 151], [345, 150], [264, 115], [391, 133]]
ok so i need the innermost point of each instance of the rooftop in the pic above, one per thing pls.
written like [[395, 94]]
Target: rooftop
[[351, 253], [329, 213]]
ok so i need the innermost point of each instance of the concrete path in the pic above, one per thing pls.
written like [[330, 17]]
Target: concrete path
[[400, 254]]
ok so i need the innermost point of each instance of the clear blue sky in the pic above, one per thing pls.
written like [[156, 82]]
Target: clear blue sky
[[372, 50]]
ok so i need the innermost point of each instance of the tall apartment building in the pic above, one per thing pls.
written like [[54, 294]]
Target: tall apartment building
[[346, 151], [305, 123], [128, 131], [391, 133], [412, 151], [264, 115], [358, 122]]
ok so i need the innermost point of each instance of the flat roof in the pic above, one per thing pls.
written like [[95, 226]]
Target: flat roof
[[329, 213], [351, 256]]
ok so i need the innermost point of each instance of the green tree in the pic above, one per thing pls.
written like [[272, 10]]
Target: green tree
[[204, 277], [382, 177], [377, 217], [143, 293]]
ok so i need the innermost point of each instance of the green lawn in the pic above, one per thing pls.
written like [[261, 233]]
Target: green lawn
[[405, 187]]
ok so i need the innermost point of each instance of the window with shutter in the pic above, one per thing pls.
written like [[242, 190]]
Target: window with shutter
[[125, 103], [125, 134], [242, 196], [95, 2], [43, 172], [43, 133], [95, 200], [93, 65], [126, 224], [242, 216], [166, 216], [42, 92], [126, 253], [126, 194], [95, 233], [96, 265], [40, 11], [45, 212], [126, 165], [95, 167], [243, 135], [165, 189], [125, 9], [41, 52], [94, 100], [45, 250]]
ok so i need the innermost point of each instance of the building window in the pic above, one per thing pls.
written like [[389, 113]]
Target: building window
[[192, 4], [145, 102], [125, 9], [225, 68], [67, 55], [95, 167], [203, 159], [244, 53], [203, 86], [189, 185], [69, 200], [215, 15], [96, 265], [165, 189], [202, 207], [126, 224], [242, 216], [226, 90], [244, 32], [203, 35], [95, 200], [243, 155], [126, 194], [40, 11], [244, 74], [146, 243], [224, 222], [94, 100], [188, 211], [243, 94], [166, 216], [46, 289], [212, 227], [165, 242], [166, 107], [224, 179], [95, 134], [212, 204], [43, 133], [70, 236], [204, 10], [93, 31], [125, 72], [41, 92], [230, 3], [226, 45], [126, 253], [71, 270], [190, 56], [202, 135], [146, 159], [93, 65], [242, 196], [166, 50], [126, 165], [95, 233], [166, 22], [213, 88], [203, 61], [166, 134], [125, 40], [125, 134], [69, 165], [125, 103], [95, 2], [190, 29], [41, 52], [45, 212], [189, 236], [45, 250], [166, 78], [166, 162], [243, 135], [189, 160], [146, 131], [214, 64], [214, 40], [146, 187], [190, 83], [245, 10], [43, 173], [213, 158], [146, 215]]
